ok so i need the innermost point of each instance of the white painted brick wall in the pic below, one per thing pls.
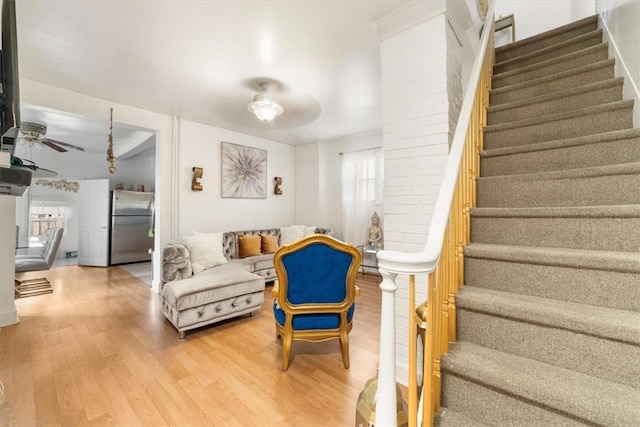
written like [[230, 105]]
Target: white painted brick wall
[[416, 99], [454, 78]]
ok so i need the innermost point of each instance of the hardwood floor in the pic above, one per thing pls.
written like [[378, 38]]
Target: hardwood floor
[[98, 351]]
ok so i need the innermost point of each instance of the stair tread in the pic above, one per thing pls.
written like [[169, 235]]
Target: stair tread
[[553, 77], [547, 34], [597, 400], [447, 417], [625, 262], [554, 117], [590, 172], [618, 81], [603, 322], [606, 211], [539, 52], [562, 143], [551, 61]]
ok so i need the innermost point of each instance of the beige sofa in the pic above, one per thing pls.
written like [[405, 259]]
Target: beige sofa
[[232, 289]]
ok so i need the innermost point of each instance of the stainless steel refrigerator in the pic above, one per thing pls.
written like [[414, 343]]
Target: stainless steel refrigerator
[[132, 222]]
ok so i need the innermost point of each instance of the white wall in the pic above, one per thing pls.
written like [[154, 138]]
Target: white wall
[[309, 185], [8, 313], [207, 211], [536, 16], [620, 19]]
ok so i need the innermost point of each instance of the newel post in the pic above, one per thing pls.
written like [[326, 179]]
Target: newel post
[[386, 412]]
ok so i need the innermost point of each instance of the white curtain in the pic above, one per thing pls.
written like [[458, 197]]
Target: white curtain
[[362, 182]]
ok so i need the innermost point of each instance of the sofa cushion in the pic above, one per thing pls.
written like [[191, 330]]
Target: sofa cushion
[[211, 285], [205, 250], [268, 244], [260, 262], [248, 246]]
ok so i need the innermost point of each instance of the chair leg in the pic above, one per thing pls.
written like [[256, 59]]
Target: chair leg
[[344, 344], [286, 350]]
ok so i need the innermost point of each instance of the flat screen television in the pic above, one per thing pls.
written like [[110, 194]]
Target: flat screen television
[[10, 107]]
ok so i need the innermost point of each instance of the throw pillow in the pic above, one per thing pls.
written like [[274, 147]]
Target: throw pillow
[[205, 250], [308, 231], [291, 234], [248, 245], [269, 244]]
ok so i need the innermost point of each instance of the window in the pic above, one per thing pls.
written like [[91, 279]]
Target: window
[[362, 183]]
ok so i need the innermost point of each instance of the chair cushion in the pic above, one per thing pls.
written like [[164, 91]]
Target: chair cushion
[[33, 263], [303, 322]]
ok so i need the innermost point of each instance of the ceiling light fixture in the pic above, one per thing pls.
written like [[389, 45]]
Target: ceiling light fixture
[[110, 157], [32, 134], [264, 108]]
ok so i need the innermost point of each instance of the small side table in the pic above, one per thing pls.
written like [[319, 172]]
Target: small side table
[[369, 258]]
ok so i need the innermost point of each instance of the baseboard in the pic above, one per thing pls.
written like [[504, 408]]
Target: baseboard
[[630, 88], [9, 318]]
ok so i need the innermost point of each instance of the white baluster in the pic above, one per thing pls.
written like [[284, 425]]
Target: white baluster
[[386, 411]]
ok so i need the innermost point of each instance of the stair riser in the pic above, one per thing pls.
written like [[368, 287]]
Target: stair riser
[[502, 67], [595, 191], [558, 105], [609, 360], [581, 156], [579, 61], [605, 72], [606, 234], [584, 286], [600, 122], [546, 42], [493, 408]]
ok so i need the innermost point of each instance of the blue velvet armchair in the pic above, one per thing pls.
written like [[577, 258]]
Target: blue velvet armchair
[[315, 292]]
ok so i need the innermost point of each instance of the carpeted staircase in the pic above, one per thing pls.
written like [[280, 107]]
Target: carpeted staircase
[[548, 322]]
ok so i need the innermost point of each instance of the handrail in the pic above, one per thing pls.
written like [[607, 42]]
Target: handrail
[[442, 258], [426, 260]]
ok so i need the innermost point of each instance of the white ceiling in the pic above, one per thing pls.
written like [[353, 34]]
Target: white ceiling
[[203, 60]]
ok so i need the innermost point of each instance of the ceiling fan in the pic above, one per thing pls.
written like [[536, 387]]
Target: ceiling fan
[[32, 134]]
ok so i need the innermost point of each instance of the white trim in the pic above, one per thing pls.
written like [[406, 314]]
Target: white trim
[[8, 318], [175, 178], [630, 87]]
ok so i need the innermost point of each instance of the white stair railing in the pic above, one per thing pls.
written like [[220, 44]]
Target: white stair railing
[[441, 258]]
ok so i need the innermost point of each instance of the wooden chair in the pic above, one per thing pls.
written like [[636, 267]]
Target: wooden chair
[[40, 262], [315, 292]]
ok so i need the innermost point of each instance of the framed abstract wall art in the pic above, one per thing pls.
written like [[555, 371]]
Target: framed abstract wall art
[[244, 172]]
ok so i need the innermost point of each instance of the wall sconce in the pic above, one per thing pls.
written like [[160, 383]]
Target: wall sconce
[[276, 186], [197, 174]]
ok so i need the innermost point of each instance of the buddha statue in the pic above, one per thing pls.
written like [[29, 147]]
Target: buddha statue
[[374, 233]]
